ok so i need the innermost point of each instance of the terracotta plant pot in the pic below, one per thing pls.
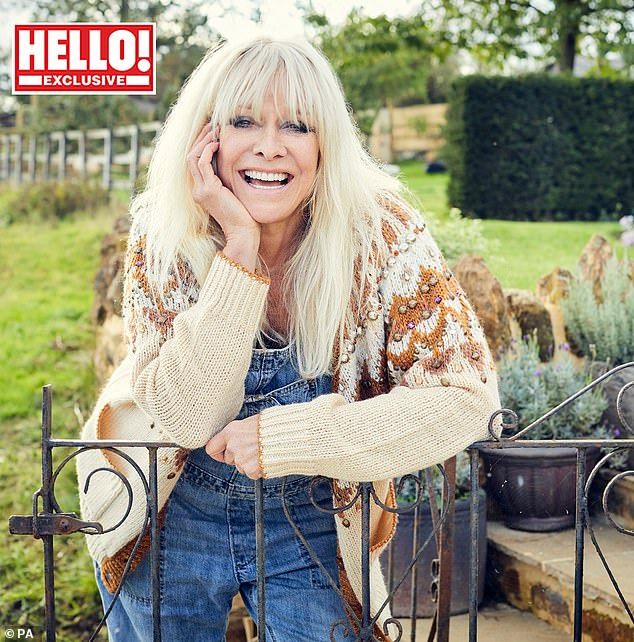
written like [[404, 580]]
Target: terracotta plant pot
[[402, 556], [535, 487]]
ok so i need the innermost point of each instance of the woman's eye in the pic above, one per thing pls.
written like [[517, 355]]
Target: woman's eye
[[240, 122], [298, 127]]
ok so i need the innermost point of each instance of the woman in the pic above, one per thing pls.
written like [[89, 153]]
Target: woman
[[287, 315]]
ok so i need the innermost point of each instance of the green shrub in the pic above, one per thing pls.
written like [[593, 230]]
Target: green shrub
[[540, 147], [532, 388], [457, 235], [603, 330], [50, 200]]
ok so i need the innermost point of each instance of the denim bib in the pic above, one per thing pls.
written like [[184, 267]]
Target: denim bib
[[272, 380]]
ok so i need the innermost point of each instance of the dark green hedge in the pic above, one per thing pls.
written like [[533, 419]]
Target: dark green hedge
[[541, 147]]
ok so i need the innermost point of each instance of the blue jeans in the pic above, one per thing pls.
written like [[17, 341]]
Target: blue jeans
[[207, 544]]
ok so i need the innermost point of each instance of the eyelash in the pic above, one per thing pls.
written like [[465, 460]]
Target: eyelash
[[298, 127]]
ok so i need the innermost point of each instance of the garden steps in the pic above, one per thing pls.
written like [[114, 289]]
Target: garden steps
[[535, 572], [497, 622]]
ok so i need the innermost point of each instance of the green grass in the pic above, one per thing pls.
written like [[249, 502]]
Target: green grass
[[528, 251], [431, 189], [521, 251], [46, 336]]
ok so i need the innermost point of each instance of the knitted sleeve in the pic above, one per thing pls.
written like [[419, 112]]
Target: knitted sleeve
[[192, 348], [441, 376]]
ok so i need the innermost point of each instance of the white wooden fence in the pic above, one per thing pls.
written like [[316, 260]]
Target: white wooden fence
[[35, 157]]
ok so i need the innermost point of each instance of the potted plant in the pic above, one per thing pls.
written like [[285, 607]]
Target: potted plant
[[402, 545], [535, 487]]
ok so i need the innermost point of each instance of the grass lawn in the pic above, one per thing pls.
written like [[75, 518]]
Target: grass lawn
[[523, 251], [46, 336]]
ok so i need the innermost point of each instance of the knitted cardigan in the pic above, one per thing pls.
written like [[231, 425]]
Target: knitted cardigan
[[415, 385]]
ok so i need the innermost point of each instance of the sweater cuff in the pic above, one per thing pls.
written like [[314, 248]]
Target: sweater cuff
[[284, 439], [384, 436], [239, 266], [240, 294]]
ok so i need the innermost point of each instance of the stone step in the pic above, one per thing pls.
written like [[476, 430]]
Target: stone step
[[535, 572], [497, 622]]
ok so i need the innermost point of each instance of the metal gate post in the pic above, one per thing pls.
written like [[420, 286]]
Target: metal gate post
[[47, 506]]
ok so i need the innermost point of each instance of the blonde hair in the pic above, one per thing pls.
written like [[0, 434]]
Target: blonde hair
[[343, 212]]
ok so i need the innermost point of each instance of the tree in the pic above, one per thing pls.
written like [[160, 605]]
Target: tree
[[494, 29], [380, 61]]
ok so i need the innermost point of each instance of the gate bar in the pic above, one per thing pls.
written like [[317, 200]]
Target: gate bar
[[155, 546], [47, 507], [445, 554], [474, 517], [260, 557], [580, 525]]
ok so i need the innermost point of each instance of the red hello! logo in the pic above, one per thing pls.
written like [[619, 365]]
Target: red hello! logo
[[84, 58]]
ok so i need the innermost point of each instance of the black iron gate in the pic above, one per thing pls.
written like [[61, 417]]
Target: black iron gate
[[48, 520]]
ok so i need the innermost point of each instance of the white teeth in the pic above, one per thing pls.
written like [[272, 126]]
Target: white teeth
[[265, 176]]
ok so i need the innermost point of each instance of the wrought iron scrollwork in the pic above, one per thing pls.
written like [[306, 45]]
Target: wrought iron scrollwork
[[54, 521], [399, 509], [619, 407], [585, 517], [614, 524], [333, 628], [98, 530], [514, 424]]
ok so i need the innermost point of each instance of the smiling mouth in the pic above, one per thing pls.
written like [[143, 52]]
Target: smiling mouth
[[256, 180]]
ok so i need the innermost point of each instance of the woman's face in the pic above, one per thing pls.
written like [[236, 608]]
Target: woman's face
[[269, 164]]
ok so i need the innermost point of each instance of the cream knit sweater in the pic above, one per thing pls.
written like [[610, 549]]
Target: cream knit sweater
[[415, 385]]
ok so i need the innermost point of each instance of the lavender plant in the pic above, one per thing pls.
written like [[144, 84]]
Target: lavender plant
[[602, 329], [532, 388]]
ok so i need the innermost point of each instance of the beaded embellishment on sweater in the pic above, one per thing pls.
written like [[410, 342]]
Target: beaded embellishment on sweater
[[431, 330], [144, 313]]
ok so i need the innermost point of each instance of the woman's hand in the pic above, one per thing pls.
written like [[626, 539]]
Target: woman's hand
[[217, 200], [237, 445]]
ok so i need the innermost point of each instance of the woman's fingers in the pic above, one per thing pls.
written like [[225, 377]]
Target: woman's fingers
[[194, 158], [204, 162], [197, 150], [200, 145], [204, 137]]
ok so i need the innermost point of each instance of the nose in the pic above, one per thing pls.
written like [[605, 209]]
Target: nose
[[269, 143]]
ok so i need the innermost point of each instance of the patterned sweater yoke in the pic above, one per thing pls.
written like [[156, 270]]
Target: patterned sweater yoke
[[413, 385]]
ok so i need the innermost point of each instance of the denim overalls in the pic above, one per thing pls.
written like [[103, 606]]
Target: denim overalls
[[208, 541]]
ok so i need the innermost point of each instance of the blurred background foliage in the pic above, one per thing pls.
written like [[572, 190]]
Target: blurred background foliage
[[381, 60]]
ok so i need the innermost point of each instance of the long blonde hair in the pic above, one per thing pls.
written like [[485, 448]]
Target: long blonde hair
[[343, 212]]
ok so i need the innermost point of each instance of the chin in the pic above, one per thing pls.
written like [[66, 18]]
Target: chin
[[270, 213], [268, 217]]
